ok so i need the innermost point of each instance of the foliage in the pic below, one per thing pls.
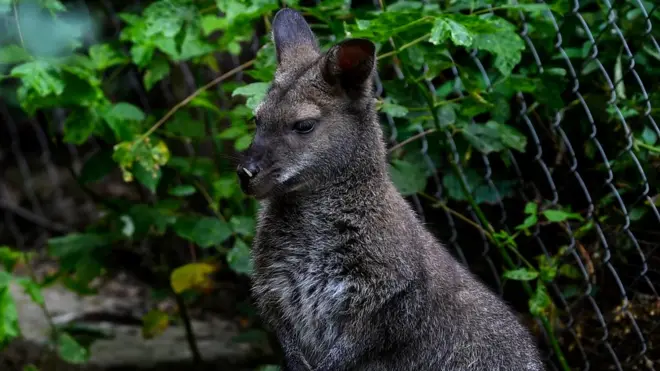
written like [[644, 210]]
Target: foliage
[[472, 111]]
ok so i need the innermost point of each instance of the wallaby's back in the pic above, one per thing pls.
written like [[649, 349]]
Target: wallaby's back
[[345, 273]]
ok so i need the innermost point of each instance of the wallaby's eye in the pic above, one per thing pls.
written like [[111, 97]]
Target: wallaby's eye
[[304, 127]]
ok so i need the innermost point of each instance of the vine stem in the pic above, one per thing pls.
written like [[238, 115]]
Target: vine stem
[[404, 47], [457, 214], [190, 335], [501, 7], [18, 24], [409, 140], [192, 96], [647, 146]]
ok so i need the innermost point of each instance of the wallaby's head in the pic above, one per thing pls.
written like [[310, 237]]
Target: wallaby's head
[[317, 117]]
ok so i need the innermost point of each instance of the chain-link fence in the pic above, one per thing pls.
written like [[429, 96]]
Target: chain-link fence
[[607, 311]]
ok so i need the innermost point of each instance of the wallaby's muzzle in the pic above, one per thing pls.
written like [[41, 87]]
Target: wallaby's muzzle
[[245, 174], [252, 170]]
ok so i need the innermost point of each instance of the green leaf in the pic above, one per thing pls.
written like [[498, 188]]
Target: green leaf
[[447, 115], [547, 268], [5, 279], [205, 101], [204, 231], [39, 76], [483, 192], [510, 136], [529, 222], [243, 225], [124, 118], [69, 349], [521, 274], [556, 216], [9, 258], [156, 71], [233, 132], [97, 167], [148, 178], [9, 325], [649, 136], [152, 219], [637, 213], [255, 93], [194, 45], [182, 190], [444, 28], [570, 271], [167, 17], [408, 179], [242, 143], [494, 137], [484, 138], [142, 54], [390, 23], [80, 124], [32, 289], [496, 36], [540, 301], [211, 23], [531, 208], [76, 243], [105, 56], [87, 267], [507, 46], [239, 258], [265, 63], [54, 6], [393, 109], [225, 188], [182, 124], [12, 53]]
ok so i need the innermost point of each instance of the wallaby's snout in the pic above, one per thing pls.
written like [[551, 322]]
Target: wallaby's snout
[[252, 168], [246, 173]]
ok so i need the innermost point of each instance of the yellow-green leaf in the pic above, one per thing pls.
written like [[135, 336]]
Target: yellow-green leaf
[[192, 276], [154, 323]]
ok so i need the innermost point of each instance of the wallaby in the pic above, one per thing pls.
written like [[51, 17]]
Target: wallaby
[[345, 273]]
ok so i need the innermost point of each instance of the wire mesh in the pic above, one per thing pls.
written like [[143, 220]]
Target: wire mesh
[[601, 322]]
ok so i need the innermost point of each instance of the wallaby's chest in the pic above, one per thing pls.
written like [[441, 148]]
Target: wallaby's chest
[[299, 286]]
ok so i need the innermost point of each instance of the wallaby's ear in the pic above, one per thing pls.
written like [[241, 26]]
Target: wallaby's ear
[[349, 63], [293, 38]]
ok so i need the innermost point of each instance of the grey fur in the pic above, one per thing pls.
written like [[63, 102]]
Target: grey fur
[[345, 273]]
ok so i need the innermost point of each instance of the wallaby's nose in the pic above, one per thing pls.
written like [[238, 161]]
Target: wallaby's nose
[[246, 172]]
